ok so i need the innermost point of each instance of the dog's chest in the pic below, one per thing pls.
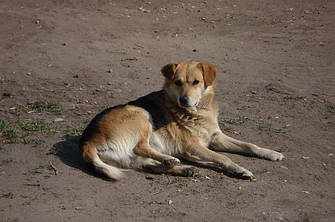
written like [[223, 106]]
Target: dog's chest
[[188, 127], [197, 127]]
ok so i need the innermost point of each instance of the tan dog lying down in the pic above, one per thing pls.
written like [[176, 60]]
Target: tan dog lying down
[[153, 131]]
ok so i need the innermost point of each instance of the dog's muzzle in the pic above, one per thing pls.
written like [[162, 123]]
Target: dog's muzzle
[[184, 101]]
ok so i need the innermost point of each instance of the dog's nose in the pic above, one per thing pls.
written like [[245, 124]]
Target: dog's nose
[[184, 101]]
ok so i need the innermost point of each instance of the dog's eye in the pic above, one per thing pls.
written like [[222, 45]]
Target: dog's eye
[[178, 83], [195, 82]]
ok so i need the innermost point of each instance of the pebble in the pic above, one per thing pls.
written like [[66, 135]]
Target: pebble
[[307, 11], [149, 177], [59, 120], [284, 167], [143, 10], [280, 218]]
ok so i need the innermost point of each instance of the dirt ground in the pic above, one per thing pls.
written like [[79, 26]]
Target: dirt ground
[[62, 62]]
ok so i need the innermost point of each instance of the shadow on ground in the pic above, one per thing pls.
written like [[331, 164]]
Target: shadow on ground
[[69, 153]]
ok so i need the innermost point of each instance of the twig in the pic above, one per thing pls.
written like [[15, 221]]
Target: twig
[[33, 184], [168, 179], [138, 45], [54, 168], [160, 191]]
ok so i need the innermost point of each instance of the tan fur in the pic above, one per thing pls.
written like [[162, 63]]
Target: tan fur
[[156, 130]]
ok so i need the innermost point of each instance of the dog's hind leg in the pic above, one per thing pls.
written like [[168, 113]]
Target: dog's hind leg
[[144, 149], [159, 168], [222, 142]]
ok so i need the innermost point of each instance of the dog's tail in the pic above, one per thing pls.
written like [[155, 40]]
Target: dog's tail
[[91, 157]]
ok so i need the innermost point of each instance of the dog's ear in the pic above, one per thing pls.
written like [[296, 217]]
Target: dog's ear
[[169, 70], [209, 73]]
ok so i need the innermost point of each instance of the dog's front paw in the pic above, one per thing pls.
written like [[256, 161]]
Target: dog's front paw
[[171, 162], [274, 156], [245, 174]]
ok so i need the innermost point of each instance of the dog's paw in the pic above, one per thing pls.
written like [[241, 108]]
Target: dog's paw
[[171, 162], [185, 171], [275, 156], [189, 171], [245, 174], [240, 172]]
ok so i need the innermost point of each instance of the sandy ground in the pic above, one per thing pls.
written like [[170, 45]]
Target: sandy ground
[[62, 62]]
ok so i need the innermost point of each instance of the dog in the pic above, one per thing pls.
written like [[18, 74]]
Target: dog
[[155, 131]]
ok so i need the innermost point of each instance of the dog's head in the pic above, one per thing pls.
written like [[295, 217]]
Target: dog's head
[[188, 83]]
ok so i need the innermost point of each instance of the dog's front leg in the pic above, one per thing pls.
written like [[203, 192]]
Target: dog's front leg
[[222, 142], [199, 153]]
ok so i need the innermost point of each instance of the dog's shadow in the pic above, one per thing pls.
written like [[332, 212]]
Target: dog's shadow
[[68, 152]]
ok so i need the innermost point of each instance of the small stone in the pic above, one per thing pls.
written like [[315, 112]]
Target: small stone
[[284, 167], [307, 11], [76, 76], [64, 44], [331, 154], [280, 218], [110, 70], [322, 44], [169, 202], [149, 177], [194, 50], [59, 120], [143, 10]]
